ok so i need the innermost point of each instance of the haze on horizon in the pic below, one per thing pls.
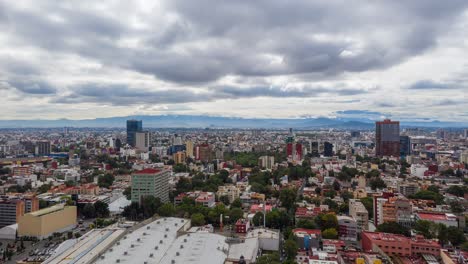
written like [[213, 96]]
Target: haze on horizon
[[407, 60]]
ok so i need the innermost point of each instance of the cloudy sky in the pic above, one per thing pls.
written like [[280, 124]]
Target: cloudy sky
[[264, 58]]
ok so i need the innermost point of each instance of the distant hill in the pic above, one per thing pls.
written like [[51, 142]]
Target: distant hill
[[198, 121]]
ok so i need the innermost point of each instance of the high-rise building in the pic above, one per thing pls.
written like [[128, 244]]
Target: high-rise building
[[405, 146], [142, 140], [203, 152], [189, 148], [387, 138], [133, 126], [465, 133], [179, 157], [42, 148], [327, 149], [150, 182]]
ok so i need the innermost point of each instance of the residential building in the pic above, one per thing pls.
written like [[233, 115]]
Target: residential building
[[231, 191], [387, 138], [142, 140], [266, 162], [152, 182], [407, 188], [189, 149], [45, 222], [242, 226], [133, 126], [347, 228], [42, 148], [179, 157], [359, 213]]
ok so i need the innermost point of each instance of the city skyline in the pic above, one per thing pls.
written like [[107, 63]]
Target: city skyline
[[241, 59]]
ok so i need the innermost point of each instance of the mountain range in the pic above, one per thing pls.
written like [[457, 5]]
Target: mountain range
[[201, 121]]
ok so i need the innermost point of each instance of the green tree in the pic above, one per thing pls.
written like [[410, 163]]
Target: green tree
[[426, 228], [257, 220], [456, 207], [393, 228], [377, 183], [330, 233], [304, 223], [128, 192], [290, 248], [464, 246], [224, 199], [44, 188], [368, 203], [272, 258], [150, 205], [198, 219], [326, 221], [455, 236], [106, 180], [236, 203], [287, 197], [428, 195], [89, 211], [166, 210], [433, 188], [235, 214], [442, 234], [102, 209]]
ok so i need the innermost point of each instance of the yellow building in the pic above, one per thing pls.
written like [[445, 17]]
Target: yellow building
[[179, 157], [45, 222]]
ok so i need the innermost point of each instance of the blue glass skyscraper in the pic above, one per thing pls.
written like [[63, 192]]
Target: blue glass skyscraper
[[133, 126]]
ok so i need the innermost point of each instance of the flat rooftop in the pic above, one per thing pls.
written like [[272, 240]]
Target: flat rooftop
[[157, 242], [86, 247]]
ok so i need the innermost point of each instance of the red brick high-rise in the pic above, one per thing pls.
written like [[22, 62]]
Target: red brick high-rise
[[387, 138]]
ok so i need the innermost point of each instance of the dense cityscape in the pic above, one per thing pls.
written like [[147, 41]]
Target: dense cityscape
[[145, 195], [234, 132]]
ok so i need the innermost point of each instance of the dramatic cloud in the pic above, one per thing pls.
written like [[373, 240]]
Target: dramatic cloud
[[371, 54]]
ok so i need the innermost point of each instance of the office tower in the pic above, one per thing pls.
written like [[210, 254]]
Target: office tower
[[327, 149], [10, 211], [387, 138], [465, 133], [405, 146], [150, 182], [142, 140], [189, 148], [42, 148], [314, 149], [133, 126]]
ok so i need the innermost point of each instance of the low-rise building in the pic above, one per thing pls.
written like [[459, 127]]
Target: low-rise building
[[398, 245], [347, 228], [43, 223]]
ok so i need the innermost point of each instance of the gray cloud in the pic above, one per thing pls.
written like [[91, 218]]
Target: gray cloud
[[432, 85], [248, 38], [32, 87], [122, 94]]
